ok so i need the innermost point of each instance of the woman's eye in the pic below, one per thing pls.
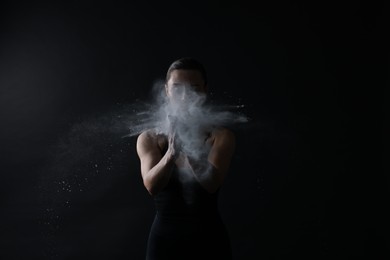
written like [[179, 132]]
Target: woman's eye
[[178, 89]]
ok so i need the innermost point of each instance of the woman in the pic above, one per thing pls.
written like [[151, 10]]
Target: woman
[[183, 170]]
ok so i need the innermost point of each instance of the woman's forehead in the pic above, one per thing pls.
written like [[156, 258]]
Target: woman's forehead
[[185, 76]]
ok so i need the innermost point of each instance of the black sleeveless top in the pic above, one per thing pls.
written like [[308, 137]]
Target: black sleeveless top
[[187, 216], [185, 198]]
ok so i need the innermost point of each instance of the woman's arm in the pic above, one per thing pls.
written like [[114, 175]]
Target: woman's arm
[[155, 168], [211, 171]]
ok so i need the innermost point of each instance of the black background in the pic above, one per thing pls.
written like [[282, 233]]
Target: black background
[[305, 181]]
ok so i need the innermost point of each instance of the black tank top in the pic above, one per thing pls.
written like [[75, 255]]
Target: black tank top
[[187, 216], [185, 198]]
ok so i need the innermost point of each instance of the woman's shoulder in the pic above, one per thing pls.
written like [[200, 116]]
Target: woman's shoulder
[[152, 136], [223, 132], [148, 134]]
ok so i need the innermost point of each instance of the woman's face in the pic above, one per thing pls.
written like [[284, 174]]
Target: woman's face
[[184, 85]]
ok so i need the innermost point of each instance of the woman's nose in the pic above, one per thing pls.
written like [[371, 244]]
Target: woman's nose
[[184, 94]]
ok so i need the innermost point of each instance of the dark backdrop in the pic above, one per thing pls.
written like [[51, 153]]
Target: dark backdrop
[[71, 72]]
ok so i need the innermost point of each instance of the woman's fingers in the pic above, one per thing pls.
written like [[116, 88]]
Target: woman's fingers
[[172, 121]]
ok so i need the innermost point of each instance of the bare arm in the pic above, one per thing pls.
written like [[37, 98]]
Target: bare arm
[[156, 168], [212, 173]]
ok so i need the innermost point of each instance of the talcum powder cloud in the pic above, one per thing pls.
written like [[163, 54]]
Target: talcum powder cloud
[[190, 118]]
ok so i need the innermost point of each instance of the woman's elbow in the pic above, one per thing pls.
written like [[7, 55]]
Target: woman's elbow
[[152, 188]]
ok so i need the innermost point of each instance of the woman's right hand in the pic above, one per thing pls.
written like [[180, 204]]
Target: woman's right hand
[[173, 141]]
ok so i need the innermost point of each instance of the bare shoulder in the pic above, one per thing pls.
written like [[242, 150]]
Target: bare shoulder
[[149, 139], [146, 138], [222, 132], [224, 135]]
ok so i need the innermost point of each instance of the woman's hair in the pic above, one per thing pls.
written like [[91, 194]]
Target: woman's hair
[[187, 63]]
